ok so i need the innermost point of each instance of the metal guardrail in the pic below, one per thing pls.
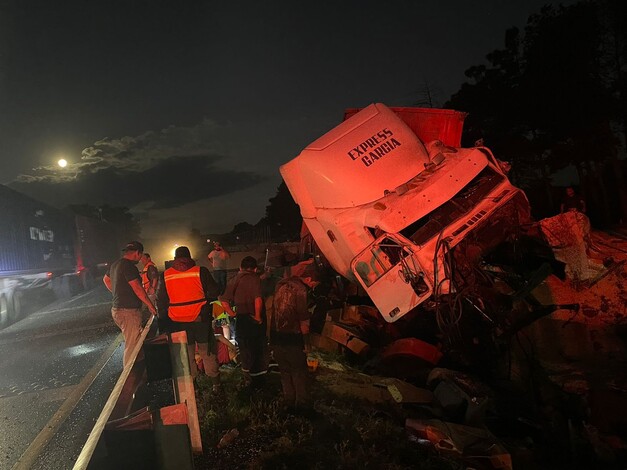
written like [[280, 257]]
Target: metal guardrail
[[145, 434], [90, 445]]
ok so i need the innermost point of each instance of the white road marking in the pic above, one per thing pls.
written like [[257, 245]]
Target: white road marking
[[67, 309], [82, 462], [57, 333], [38, 445]]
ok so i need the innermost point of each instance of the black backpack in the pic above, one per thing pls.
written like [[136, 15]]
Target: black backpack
[[285, 298]]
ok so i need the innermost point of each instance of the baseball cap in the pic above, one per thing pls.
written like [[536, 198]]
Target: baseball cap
[[134, 246]]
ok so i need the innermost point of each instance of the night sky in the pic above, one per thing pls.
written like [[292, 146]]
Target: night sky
[[184, 110]]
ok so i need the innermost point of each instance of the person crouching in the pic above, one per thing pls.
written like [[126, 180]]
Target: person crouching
[[185, 293]]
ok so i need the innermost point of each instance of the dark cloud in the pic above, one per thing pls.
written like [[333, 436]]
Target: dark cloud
[[208, 174], [168, 183], [156, 170]]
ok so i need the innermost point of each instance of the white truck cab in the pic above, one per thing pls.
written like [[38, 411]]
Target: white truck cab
[[385, 207]]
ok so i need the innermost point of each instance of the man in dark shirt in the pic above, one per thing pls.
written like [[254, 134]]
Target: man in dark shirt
[[289, 332], [244, 293], [124, 282]]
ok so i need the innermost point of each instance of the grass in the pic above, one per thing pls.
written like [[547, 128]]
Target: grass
[[341, 433]]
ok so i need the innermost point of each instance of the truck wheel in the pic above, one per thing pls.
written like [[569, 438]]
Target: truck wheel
[[15, 306], [4, 311], [87, 278]]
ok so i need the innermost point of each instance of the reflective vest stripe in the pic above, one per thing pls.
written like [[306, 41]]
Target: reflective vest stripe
[[189, 302], [181, 275]]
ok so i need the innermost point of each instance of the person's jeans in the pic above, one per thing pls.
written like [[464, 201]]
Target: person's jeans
[[199, 333], [219, 275], [129, 320], [294, 374], [252, 344]]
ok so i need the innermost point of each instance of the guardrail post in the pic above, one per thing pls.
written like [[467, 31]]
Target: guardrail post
[[184, 385]]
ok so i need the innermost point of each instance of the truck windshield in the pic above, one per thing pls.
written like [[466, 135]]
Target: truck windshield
[[463, 202], [379, 259]]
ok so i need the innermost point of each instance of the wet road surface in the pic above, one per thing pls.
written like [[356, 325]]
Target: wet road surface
[[57, 368]]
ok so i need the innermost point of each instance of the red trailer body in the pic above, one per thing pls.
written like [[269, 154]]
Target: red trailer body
[[429, 124]]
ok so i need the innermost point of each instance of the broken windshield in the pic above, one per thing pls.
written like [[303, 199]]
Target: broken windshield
[[463, 202]]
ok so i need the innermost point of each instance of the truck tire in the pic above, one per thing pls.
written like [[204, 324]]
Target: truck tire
[[76, 285], [15, 306], [4, 311], [87, 280]]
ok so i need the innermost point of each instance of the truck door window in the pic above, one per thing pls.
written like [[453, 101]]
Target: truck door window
[[379, 259]]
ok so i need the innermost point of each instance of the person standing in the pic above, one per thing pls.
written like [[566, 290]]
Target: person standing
[[184, 295], [217, 259], [289, 338], [123, 281], [244, 293], [150, 277], [572, 202]]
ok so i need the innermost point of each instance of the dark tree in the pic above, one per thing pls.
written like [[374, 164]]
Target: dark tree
[[544, 102], [127, 224], [428, 96], [283, 215]]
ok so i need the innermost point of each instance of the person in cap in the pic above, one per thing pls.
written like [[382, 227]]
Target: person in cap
[[243, 299], [184, 295], [124, 282]]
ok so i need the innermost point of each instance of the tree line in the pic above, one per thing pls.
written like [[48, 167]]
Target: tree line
[[555, 96]]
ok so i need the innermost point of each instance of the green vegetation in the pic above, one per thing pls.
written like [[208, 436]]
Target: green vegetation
[[341, 432]]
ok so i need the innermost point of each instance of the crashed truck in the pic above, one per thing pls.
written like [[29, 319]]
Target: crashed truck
[[435, 235], [395, 205]]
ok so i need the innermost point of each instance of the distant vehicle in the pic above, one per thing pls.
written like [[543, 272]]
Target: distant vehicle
[[390, 197], [44, 247]]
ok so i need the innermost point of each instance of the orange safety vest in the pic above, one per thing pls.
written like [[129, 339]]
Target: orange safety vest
[[144, 274], [186, 294]]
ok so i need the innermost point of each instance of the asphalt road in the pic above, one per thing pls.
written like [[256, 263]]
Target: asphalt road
[[58, 365]]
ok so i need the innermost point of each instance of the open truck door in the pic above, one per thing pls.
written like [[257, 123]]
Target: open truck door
[[389, 265]]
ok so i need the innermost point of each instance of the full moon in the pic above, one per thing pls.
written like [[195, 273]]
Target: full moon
[[62, 163]]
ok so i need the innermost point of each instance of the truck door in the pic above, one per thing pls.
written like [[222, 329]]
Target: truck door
[[392, 276]]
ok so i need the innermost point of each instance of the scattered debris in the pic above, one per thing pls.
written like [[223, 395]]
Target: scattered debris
[[346, 336], [374, 389], [568, 234], [228, 438], [412, 347], [478, 448]]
